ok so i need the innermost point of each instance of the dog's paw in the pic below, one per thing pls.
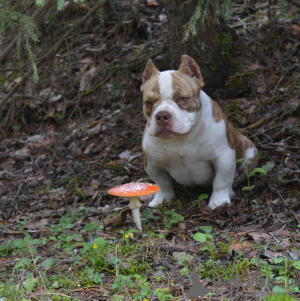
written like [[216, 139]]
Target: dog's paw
[[160, 197], [217, 199]]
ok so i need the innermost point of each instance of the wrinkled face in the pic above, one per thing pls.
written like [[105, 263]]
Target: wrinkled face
[[171, 101]]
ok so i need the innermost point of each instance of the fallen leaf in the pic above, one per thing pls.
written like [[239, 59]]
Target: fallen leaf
[[258, 237], [117, 181], [251, 109], [239, 247], [117, 219], [85, 82], [90, 190], [38, 225], [87, 60], [21, 154], [261, 88], [92, 124], [127, 156], [95, 130], [296, 29]]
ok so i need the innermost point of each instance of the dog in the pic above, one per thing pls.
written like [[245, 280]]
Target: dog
[[188, 138]]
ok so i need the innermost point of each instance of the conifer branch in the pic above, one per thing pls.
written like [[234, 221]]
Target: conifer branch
[[207, 11]]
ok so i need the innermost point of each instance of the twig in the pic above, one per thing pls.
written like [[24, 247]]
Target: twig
[[3, 134], [283, 76], [254, 125], [260, 122], [278, 144], [266, 246], [284, 201], [245, 26], [183, 294], [19, 188]]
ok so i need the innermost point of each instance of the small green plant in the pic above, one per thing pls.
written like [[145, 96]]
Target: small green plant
[[172, 218], [23, 223], [148, 216], [262, 170], [184, 259], [204, 237], [79, 193], [200, 199], [6, 249], [153, 237], [207, 239], [163, 294], [93, 227]]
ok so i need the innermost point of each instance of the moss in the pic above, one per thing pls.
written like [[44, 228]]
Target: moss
[[1, 79], [225, 41], [237, 79], [233, 106]]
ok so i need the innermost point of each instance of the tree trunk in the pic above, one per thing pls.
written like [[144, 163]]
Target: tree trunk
[[212, 48]]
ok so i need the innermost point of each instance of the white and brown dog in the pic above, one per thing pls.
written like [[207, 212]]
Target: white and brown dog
[[187, 136]]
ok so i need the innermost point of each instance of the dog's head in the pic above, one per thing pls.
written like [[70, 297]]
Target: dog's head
[[171, 98]]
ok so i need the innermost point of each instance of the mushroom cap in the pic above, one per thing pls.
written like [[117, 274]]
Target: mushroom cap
[[133, 189]]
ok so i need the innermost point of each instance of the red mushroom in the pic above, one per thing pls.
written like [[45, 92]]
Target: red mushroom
[[133, 191]]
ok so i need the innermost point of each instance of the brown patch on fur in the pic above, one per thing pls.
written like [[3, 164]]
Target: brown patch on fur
[[151, 94], [240, 143], [217, 111], [235, 139], [188, 87]]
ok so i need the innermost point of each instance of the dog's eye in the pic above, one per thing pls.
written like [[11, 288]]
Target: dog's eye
[[148, 104], [183, 99]]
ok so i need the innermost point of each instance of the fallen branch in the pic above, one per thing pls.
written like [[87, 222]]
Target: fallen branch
[[278, 145], [253, 126]]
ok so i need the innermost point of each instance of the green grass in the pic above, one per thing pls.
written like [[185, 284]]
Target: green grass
[[280, 297], [123, 263]]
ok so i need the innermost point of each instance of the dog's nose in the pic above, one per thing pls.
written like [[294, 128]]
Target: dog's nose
[[163, 117]]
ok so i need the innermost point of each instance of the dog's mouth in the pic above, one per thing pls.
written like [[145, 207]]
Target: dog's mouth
[[166, 134]]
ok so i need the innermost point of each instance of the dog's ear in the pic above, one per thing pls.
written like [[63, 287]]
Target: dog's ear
[[190, 67], [149, 71]]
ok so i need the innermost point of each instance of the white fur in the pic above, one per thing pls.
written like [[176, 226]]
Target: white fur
[[250, 153]]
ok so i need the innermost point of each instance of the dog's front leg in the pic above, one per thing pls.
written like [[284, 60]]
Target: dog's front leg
[[164, 181], [222, 184]]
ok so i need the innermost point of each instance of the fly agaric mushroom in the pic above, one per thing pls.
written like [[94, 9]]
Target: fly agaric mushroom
[[133, 191]]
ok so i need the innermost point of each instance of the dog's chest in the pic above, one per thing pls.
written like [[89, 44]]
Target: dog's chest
[[190, 164]]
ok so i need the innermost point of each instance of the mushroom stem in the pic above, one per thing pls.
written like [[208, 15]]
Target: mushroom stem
[[135, 205]]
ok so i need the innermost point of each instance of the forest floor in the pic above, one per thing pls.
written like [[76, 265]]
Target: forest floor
[[76, 133]]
